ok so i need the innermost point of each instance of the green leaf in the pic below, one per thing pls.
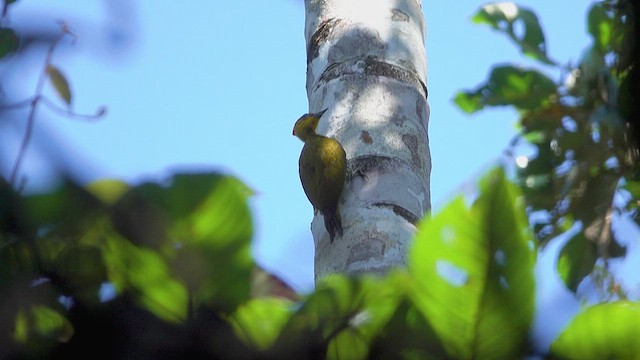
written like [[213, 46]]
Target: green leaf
[[108, 190], [407, 335], [341, 318], [60, 83], [259, 321], [8, 42], [506, 17], [508, 85], [67, 212], [469, 102], [82, 269], [41, 322], [203, 225], [603, 331], [474, 272], [600, 26], [144, 273], [576, 260]]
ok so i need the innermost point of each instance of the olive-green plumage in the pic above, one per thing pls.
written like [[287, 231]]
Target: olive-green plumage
[[323, 169]]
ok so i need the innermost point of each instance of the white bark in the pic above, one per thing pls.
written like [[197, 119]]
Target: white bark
[[366, 63]]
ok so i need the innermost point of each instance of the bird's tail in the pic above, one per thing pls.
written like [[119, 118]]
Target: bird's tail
[[332, 222]]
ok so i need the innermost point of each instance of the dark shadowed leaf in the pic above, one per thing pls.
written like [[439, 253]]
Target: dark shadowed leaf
[[474, 272], [8, 42], [604, 331], [576, 260], [407, 335], [341, 318], [67, 212], [82, 269]]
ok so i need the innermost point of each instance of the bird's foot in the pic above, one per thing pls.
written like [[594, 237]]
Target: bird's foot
[[353, 171]]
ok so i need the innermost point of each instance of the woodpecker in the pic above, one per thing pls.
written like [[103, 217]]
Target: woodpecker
[[323, 170]]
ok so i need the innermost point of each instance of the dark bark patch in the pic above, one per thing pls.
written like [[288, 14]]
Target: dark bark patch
[[365, 137], [370, 248], [400, 211], [412, 144], [371, 67], [320, 37], [399, 15]]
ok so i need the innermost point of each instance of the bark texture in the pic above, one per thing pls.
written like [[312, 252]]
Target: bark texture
[[366, 63]]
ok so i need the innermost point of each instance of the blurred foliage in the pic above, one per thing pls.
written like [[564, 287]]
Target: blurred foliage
[[604, 331], [580, 169], [162, 270], [473, 270]]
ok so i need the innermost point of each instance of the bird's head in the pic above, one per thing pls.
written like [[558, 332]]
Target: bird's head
[[306, 125]]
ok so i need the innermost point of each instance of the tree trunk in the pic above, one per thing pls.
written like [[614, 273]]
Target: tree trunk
[[366, 63]]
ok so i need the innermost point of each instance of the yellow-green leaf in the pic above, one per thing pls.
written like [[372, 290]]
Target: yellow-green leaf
[[604, 331], [60, 83], [259, 321]]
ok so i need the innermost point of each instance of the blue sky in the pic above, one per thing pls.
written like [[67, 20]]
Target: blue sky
[[219, 84]]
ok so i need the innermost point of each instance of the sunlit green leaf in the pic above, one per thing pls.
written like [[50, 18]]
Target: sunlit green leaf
[[108, 190], [8, 41], [343, 316], [603, 331], [146, 274], [469, 102], [348, 345], [474, 271], [60, 83], [51, 323], [21, 327], [259, 321], [600, 26], [202, 223], [509, 85], [42, 322], [507, 17], [536, 137]]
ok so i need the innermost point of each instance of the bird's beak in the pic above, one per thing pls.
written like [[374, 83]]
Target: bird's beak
[[322, 113]]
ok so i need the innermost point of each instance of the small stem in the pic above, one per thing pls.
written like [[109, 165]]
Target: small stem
[[34, 104], [5, 6], [17, 105], [70, 114], [25, 141]]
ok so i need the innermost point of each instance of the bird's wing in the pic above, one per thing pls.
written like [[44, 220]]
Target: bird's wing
[[312, 170]]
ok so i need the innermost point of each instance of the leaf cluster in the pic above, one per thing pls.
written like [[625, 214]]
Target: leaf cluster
[[163, 270], [577, 154]]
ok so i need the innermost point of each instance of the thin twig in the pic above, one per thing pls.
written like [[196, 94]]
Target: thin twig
[[18, 104], [101, 111], [34, 105]]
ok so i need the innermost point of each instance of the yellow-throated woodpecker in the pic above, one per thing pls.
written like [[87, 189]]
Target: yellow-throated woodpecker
[[323, 169]]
